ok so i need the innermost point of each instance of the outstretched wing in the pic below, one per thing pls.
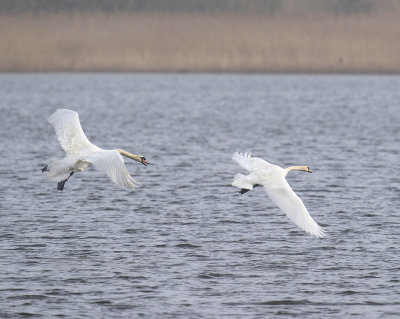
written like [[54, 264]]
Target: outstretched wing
[[283, 195], [250, 163], [112, 163], [69, 132]]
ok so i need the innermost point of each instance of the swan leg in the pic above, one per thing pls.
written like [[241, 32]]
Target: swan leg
[[60, 185], [45, 169]]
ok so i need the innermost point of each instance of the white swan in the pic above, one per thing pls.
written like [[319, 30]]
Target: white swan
[[272, 178], [81, 153]]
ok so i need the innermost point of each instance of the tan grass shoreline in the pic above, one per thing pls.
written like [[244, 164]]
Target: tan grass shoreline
[[199, 43]]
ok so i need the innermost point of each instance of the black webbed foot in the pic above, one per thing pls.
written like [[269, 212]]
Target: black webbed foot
[[245, 190], [60, 185], [45, 169]]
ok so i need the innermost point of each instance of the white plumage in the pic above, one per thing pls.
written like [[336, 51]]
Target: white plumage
[[81, 153], [69, 132], [112, 163], [272, 178]]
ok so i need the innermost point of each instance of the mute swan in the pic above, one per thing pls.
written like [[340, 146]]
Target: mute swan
[[272, 178], [81, 153]]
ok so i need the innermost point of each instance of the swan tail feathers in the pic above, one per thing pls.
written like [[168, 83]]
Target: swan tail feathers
[[59, 170], [237, 157], [241, 181]]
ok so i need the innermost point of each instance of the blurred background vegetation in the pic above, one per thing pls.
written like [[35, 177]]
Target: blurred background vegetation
[[187, 6], [200, 35]]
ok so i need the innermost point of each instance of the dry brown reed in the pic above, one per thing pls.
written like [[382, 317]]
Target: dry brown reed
[[199, 43]]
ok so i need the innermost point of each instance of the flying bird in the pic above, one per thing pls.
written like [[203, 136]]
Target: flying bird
[[273, 179], [81, 154]]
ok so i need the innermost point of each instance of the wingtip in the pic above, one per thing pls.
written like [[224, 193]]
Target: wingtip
[[132, 184], [240, 154], [131, 187], [320, 233]]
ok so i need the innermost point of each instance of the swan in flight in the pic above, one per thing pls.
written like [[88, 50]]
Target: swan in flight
[[81, 153], [272, 178]]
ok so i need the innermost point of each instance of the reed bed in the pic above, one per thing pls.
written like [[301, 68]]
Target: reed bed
[[199, 43]]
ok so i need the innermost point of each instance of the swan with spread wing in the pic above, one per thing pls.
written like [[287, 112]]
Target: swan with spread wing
[[273, 179], [81, 154]]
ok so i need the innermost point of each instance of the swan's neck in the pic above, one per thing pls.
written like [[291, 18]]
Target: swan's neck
[[296, 168], [129, 155]]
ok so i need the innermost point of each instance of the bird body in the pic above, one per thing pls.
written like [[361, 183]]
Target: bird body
[[273, 179], [81, 153]]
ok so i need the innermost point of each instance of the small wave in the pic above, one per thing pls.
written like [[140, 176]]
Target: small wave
[[211, 275], [187, 245], [28, 314], [26, 297], [282, 302], [103, 302], [349, 292], [228, 221]]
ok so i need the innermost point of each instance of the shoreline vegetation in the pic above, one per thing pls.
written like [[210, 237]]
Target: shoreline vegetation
[[200, 42]]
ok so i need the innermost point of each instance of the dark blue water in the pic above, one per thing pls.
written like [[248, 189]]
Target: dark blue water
[[187, 244]]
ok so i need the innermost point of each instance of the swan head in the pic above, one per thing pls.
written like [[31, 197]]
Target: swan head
[[297, 168], [143, 160]]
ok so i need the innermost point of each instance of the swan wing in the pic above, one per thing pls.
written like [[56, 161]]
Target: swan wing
[[250, 163], [283, 195], [112, 163], [69, 132]]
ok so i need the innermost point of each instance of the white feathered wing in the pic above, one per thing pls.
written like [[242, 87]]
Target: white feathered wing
[[112, 163], [283, 195], [249, 163], [69, 132]]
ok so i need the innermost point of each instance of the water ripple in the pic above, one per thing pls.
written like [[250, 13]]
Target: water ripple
[[186, 244]]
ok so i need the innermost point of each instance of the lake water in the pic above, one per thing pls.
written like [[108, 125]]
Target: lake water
[[187, 244]]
